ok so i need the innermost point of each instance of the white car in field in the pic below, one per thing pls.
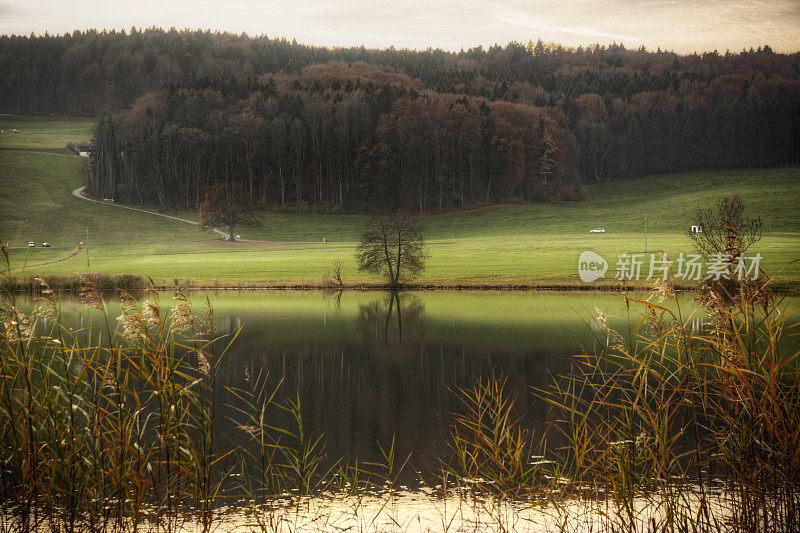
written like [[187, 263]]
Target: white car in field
[[598, 230], [31, 244]]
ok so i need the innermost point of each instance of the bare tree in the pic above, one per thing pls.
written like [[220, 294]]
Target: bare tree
[[222, 205], [333, 276], [392, 245], [725, 229]]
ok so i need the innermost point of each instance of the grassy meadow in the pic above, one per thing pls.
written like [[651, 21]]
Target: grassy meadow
[[44, 133], [519, 244]]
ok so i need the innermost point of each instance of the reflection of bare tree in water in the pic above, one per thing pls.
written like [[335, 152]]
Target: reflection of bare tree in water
[[334, 296], [392, 320]]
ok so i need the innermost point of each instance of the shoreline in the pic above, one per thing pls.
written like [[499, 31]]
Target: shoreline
[[133, 282]]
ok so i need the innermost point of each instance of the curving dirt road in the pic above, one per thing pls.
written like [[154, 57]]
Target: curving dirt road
[[72, 254], [78, 193]]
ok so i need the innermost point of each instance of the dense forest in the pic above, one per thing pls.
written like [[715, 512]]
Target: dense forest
[[285, 124]]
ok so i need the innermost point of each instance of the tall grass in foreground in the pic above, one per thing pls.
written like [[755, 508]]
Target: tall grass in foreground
[[665, 428], [111, 426], [75, 283]]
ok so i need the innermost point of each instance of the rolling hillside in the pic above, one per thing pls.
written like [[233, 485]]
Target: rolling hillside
[[503, 245]]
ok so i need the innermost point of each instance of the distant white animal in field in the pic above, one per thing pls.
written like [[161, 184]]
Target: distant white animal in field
[[14, 130]]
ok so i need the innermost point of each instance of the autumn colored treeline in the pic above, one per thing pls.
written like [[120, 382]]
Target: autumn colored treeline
[[363, 148], [382, 129]]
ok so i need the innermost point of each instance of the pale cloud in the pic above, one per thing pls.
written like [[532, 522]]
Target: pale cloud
[[681, 25], [537, 26]]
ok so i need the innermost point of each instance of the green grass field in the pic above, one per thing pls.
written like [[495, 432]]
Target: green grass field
[[505, 245], [44, 133]]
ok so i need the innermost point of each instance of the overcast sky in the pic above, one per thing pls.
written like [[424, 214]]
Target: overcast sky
[[679, 25]]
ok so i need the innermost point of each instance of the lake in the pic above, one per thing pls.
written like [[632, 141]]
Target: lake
[[371, 366], [370, 372]]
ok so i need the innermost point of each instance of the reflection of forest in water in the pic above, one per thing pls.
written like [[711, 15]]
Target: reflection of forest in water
[[371, 365], [391, 382]]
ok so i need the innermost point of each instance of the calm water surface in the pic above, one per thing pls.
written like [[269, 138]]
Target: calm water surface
[[370, 366]]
